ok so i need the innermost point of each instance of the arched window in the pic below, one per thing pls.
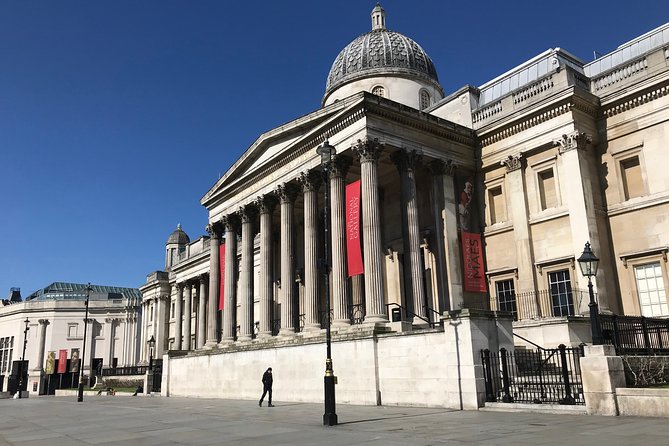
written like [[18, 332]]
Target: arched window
[[379, 91], [424, 99]]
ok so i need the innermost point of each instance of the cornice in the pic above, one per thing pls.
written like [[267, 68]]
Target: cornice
[[553, 111], [640, 98]]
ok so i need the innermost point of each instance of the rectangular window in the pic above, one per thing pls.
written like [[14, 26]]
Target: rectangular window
[[506, 296], [72, 331], [562, 299], [497, 205], [547, 190], [172, 311], [650, 285], [151, 314], [632, 179]]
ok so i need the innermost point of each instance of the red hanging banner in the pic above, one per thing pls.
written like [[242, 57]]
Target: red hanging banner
[[221, 277], [353, 249], [472, 259], [62, 361]]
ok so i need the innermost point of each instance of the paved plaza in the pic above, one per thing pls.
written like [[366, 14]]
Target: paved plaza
[[121, 420]]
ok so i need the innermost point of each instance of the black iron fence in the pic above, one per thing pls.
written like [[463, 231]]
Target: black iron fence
[[635, 335], [538, 304], [125, 371], [541, 376]]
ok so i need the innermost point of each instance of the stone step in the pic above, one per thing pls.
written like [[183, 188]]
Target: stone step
[[535, 408]]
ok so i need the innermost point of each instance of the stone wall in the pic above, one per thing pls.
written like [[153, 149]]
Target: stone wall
[[429, 368]]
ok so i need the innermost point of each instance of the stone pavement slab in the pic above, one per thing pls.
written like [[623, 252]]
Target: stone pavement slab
[[109, 420]]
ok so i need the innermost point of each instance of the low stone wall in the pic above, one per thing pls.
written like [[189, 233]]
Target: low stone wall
[[428, 368], [643, 402]]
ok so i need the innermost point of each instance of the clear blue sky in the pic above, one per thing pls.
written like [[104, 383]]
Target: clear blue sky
[[117, 116]]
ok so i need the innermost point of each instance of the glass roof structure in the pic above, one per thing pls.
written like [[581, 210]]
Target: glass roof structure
[[77, 291]]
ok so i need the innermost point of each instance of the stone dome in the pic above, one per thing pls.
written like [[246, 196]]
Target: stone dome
[[178, 237], [380, 52]]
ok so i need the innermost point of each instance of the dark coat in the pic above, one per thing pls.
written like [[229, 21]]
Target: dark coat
[[267, 380]]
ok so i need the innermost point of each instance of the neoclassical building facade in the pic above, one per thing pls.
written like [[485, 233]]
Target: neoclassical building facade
[[49, 324], [482, 199]]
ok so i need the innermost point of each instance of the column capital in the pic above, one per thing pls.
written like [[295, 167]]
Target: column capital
[[247, 213], [43, 321], [214, 229], [443, 167], [310, 180], [266, 203], [367, 150], [574, 140], [406, 159], [287, 192], [180, 286], [230, 222], [512, 162], [339, 166], [204, 279]]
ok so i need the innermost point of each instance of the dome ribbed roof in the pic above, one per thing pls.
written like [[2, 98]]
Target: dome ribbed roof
[[178, 236], [380, 52]]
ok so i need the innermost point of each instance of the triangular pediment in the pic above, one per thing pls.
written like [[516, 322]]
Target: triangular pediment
[[277, 144]]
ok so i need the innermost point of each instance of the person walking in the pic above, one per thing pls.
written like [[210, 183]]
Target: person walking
[[267, 380]]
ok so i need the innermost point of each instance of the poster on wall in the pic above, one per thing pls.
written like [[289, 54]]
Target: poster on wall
[[472, 259], [74, 360], [221, 276], [353, 248], [50, 363], [62, 361]]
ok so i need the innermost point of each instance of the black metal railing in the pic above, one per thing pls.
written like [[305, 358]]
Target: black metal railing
[[356, 313], [406, 314], [541, 376], [125, 371], [635, 335], [538, 304]]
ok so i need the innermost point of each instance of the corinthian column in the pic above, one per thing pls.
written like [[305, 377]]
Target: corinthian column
[[266, 206], [215, 278], [177, 317], [338, 170], [201, 311], [188, 315], [406, 163], [310, 182], [245, 321], [368, 152], [287, 193], [42, 342], [229, 286]]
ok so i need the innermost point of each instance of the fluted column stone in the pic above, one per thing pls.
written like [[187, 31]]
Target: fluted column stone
[[266, 206], [406, 163], [368, 153], [310, 182], [178, 318], [338, 171], [246, 318], [287, 194], [215, 278], [43, 323], [230, 287], [202, 312]]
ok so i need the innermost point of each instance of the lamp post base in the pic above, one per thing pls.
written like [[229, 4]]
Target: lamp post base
[[80, 394], [330, 415]]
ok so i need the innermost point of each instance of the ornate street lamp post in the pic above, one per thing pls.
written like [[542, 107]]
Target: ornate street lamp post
[[152, 344], [589, 263], [326, 151], [80, 395], [23, 355]]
